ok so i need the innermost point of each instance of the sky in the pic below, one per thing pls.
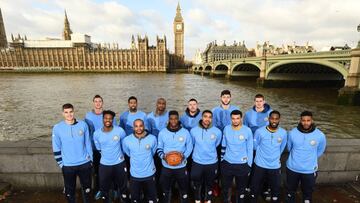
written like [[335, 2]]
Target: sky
[[322, 23]]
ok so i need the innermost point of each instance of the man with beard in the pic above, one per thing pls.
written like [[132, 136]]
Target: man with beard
[[236, 157], [140, 146], [258, 115], [127, 118], [206, 138], [221, 114], [72, 150], [174, 138], [157, 120], [191, 116], [222, 118], [306, 143], [94, 120], [112, 167], [269, 143]]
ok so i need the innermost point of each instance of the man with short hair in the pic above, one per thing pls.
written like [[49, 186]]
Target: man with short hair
[[306, 143], [258, 115], [72, 150], [140, 146], [157, 120], [236, 157], [269, 143], [94, 119], [174, 138], [112, 167], [127, 118], [191, 116], [222, 118], [206, 139], [221, 113]]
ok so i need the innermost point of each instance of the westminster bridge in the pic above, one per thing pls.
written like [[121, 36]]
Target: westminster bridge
[[331, 67]]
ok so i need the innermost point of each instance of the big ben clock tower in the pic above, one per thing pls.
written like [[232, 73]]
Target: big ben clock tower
[[179, 33]]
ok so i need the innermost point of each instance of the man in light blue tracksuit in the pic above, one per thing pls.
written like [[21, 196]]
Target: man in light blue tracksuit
[[191, 116], [306, 143], [174, 138], [236, 157], [222, 118], [158, 119], [127, 118], [269, 143], [94, 119], [221, 113], [206, 138], [112, 167], [141, 148], [72, 150], [258, 115]]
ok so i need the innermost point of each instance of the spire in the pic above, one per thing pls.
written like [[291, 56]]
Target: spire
[[133, 45], [178, 16], [67, 31], [3, 40]]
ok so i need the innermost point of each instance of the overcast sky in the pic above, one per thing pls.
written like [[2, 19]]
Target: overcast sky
[[321, 22]]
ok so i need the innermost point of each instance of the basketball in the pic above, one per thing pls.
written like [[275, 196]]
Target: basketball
[[173, 158]]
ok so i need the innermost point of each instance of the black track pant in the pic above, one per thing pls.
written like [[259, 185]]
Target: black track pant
[[241, 173], [146, 186], [203, 176], [307, 185], [261, 175], [110, 175], [168, 177], [84, 173]]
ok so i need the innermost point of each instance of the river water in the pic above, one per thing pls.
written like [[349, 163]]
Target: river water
[[30, 104]]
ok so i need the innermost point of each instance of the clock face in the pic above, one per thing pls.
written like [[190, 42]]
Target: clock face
[[178, 26]]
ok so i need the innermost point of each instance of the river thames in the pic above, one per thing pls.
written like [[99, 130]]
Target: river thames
[[30, 104]]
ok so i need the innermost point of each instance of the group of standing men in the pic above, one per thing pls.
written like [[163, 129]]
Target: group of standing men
[[214, 141]]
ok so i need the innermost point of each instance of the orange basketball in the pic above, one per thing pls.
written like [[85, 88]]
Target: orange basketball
[[173, 158]]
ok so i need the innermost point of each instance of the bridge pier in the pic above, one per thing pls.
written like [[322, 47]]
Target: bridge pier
[[350, 93]]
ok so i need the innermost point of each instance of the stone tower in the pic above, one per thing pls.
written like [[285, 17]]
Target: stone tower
[[3, 40], [179, 33], [67, 31]]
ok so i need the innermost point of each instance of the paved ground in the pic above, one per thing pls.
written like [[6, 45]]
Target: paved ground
[[342, 193]]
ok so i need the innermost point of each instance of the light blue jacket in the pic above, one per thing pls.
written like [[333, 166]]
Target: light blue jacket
[[269, 147], [237, 145], [71, 143], [141, 153], [304, 150]]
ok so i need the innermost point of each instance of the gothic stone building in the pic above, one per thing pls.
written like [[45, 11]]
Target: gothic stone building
[[76, 52], [215, 52]]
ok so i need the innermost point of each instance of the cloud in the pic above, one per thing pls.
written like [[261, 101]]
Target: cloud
[[321, 22]]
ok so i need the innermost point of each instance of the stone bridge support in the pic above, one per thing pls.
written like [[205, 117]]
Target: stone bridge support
[[263, 66], [350, 93]]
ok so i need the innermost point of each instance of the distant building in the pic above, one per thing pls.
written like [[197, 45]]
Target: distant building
[[215, 52], [3, 40], [76, 52], [272, 50], [197, 58]]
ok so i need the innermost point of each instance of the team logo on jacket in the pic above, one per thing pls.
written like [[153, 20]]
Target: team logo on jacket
[[116, 138], [147, 147], [212, 136], [279, 140], [312, 142], [181, 139], [81, 133], [266, 119], [241, 137]]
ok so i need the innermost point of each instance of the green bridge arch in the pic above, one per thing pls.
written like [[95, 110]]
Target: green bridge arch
[[328, 64]]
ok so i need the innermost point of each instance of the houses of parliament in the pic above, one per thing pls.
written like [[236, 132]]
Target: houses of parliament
[[76, 52]]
